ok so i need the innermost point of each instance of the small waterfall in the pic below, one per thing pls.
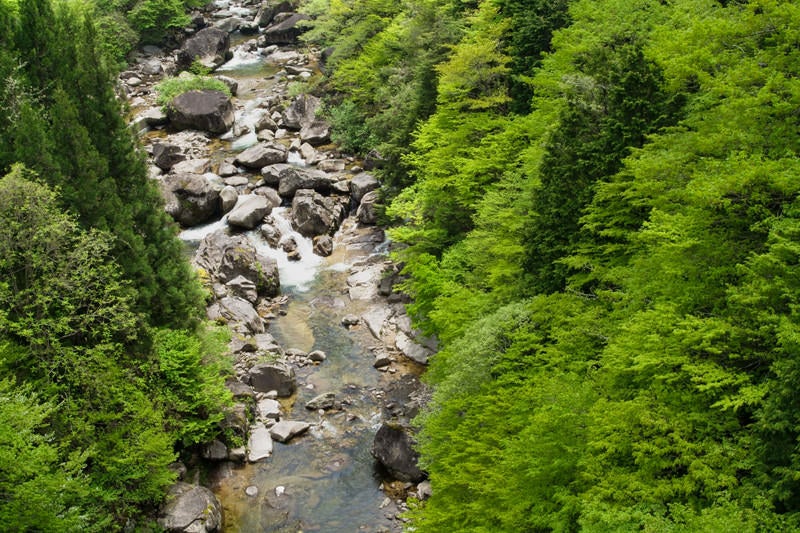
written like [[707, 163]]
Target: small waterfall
[[296, 274]]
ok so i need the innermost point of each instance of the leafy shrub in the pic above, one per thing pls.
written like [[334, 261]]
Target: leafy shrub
[[169, 88]]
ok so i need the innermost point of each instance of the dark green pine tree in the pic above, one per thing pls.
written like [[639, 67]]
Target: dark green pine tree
[[616, 101]]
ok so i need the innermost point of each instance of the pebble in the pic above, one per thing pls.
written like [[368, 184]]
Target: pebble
[[279, 490], [251, 491]]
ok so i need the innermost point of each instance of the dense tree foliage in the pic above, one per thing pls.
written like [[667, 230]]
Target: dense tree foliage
[[600, 220], [107, 370]]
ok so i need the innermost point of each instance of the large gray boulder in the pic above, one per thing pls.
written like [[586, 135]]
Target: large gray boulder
[[210, 47], [313, 214], [286, 31], [302, 112], [367, 212], [224, 257], [250, 211], [278, 377], [190, 509], [237, 312], [393, 447], [361, 184], [289, 179], [268, 11], [205, 110], [190, 199], [316, 133], [262, 154]]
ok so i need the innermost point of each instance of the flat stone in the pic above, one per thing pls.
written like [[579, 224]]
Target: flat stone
[[268, 409], [286, 430], [323, 401], [259, 444]]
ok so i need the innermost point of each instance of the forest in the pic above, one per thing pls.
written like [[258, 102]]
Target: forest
[[596, 203], [107, 369], [596, 206]]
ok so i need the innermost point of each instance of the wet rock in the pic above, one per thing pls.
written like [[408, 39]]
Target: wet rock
[[266, 123], [238, 454], [267, 343], [382, 360], [271, 234], [228, 196], [286, 430], [225, 257], [249, 212], [261, 155], [279, 377], [367, 213], [350, 320], [251, 491], [215, 451], [240, 390], [289, 244], [309, 154], [210, 47], [259, 445], [286, 31], [205, 110], [361, 184], [393, 447], [166, 155], [374, 320], [190, 199], [313, 214], [323, 401], [317, 356], [190, 508], [323, 245]]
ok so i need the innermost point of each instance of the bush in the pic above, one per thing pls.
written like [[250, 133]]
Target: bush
[[169, 88]]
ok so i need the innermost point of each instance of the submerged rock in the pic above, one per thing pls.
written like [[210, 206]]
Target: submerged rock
[[393, 447], [286, 430]]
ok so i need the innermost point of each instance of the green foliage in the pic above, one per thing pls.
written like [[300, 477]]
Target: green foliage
[[169, 88], [152, 19]]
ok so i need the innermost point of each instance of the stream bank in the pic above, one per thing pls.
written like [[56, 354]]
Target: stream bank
[[305, 285]]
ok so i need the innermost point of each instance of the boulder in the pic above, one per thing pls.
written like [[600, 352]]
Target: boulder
[[149, 118], [331, 165], [210, 47], [228, 197], [317, 356], [215, 451], [205, 110], [367, 212], [165, 155], [267, 12], [323, 245], [316, 133], [190, 199], [230, 83], [225, 257], [190, 508], [192, 166], [271, 234], [229, 24], [310, 155], [265, 123], [227, 169], [313, 214], [411, 349], [262, 154], [323, 401], [270, 194], [243, 288], [279, 377], [249, 212], [286, 430], [393, 447], [259, 444], [302, 112], [361, 184], [235, 310], [296, 178], [285, 32]]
